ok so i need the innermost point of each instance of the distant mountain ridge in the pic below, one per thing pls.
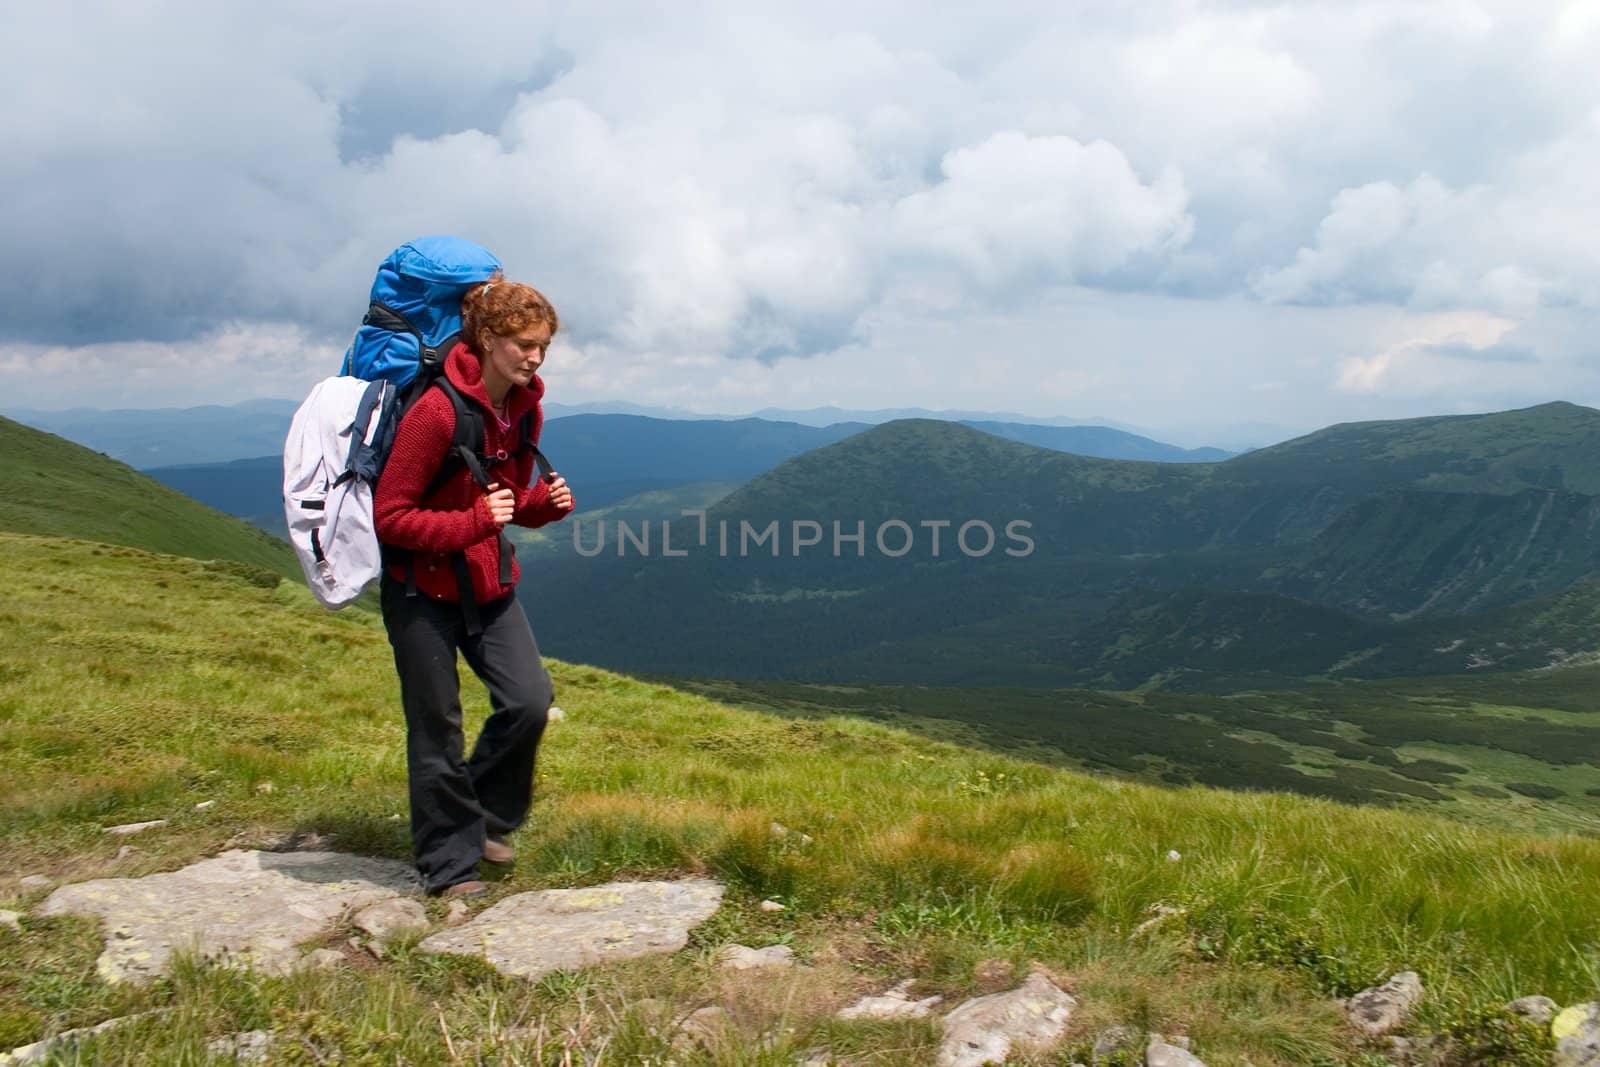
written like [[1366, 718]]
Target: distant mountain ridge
[[169, 437], [611, 458], [1345, 551]]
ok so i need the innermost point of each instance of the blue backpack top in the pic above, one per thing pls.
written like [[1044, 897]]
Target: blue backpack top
[[415, 315]]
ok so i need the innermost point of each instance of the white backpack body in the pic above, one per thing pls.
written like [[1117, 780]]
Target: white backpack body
[[331, 459]]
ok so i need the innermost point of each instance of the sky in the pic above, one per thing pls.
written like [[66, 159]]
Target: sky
[[1211, 220]]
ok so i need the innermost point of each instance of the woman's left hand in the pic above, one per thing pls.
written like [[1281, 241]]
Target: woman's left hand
[[560, 495]]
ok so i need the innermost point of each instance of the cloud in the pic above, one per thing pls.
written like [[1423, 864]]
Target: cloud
[[703, 186], [1040, 208], [1463, 349]]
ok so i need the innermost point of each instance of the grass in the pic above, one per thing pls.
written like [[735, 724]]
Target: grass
[[134, 685], [54, 488], [1396, 743]]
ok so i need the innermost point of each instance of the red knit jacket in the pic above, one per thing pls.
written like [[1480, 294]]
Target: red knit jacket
[[456, 517]]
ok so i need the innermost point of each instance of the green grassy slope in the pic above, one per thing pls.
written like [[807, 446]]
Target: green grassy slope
[[170, 683], [52, 487], [1451, 746]]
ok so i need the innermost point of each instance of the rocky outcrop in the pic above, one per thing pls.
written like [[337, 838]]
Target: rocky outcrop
[[988, 1028], [1383, 1009], [1577, 1035], [533, 934], [246, 908], [895, 1003]]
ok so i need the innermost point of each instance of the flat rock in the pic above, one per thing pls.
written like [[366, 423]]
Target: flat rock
[[1539, 1010], [745, 958], [533, 934], [1577, 1034], [392, 918], [12, 919], [457, 913], [988, 1028], [134, 827], [249, 908], [251, 1046], [33, 883], [1161, 1054], [52, 1048], [1381, 1009], [895, 1003]]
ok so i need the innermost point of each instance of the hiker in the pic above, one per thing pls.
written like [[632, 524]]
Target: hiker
[[449, 583]]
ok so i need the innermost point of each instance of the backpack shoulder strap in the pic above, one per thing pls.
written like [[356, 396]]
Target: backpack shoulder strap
[[525, 428], [466, 442]]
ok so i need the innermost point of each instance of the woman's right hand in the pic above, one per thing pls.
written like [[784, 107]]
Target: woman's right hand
[[502, 503]]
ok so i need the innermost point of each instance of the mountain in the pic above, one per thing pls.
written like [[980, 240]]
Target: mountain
[[1101, 441], [1412, 552], [160, 437], [171, 437], [54, 488], [1348, 551], [606, 459], [555, 543], [144, 688], [611, 458]]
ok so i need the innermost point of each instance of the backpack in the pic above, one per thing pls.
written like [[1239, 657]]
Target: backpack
[[341, 435], [330, 465], [414, 317]]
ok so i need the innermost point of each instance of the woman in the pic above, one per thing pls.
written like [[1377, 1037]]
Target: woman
[[449, 537]]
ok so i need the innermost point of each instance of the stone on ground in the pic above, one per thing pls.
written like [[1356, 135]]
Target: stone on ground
[[392, 918], [533, 934], [457, 913], [745, 958], [251, 1046], [989, 1028], [33, 883], [249, 908], [1534, 1009], [1577, 1034], [52, 1049], [135, 827], [1160, 1053], [896, 1003], [1115, 1039], [1382, 1009], [12, 919]]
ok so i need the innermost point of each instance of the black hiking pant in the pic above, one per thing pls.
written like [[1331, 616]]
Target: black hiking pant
[[457, 801]]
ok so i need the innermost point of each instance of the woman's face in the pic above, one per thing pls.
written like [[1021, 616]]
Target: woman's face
[[514, 358]]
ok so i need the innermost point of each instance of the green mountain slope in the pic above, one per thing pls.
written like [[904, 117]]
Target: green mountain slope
[[1549, 446], [1295, 560], [1417, 552], [54, 488], [959, 868]]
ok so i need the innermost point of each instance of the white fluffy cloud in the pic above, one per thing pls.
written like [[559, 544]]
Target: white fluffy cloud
[[710, 190]]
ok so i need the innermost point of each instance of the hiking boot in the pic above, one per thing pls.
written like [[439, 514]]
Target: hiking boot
[[473, 888], [497, 849]]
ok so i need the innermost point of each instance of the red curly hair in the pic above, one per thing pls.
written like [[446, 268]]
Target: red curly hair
[[503, 309]]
